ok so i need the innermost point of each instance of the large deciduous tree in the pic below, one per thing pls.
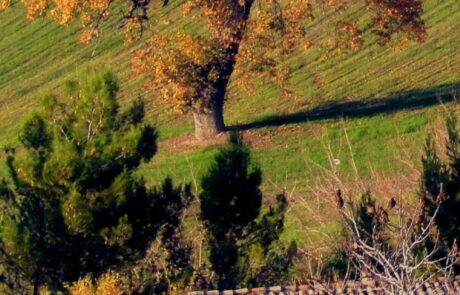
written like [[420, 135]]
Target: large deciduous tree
[[241, 38]]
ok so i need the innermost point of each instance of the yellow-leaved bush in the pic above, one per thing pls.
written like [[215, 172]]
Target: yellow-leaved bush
[[107, 284]]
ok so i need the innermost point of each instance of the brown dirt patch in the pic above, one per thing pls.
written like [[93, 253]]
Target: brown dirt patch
[[188, 143], [256, 138]]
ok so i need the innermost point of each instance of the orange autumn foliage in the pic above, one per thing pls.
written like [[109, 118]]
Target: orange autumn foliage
[[395, 18], [107, 284], [263, 41], [243, 40]]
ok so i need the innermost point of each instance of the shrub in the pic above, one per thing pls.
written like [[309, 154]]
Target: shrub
[[240, 236], [440, 183], [74, 204]]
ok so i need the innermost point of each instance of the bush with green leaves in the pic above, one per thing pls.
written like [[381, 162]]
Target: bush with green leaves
[[73, 204], [240, 236], [441, 183]]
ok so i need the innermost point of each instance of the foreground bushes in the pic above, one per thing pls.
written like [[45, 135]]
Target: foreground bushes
[[76, 218], [241, 238], [441, 183], [75, 215], [73, 205]]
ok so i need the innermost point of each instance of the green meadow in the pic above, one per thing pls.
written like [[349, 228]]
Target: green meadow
[[356, 115]]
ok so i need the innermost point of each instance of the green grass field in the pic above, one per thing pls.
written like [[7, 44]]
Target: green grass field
[[388, 99]]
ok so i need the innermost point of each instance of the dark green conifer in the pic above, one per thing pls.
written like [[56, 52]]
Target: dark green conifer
[[441, 183], [239, 236], [74, 204]]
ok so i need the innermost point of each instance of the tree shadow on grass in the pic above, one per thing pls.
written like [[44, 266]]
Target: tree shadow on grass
[[418, 98]]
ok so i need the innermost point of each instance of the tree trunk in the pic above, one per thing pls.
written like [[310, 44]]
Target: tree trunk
[[36, 288], [209, 123]]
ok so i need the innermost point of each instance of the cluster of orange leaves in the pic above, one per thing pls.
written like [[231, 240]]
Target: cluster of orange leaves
[[87, 35], [132, 29], [182, 69], [253, 37], [224, 18], [401, 18], [107, 284], [261, 56], [347, 37], [295, 16], [4, 4], [64, 11], [35, 8]]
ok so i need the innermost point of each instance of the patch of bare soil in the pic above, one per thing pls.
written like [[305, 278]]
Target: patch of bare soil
[[188, 143], [256, 138]]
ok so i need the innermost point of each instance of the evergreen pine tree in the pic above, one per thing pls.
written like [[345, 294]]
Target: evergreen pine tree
[[441, 183], [73, 204], [239, 236]]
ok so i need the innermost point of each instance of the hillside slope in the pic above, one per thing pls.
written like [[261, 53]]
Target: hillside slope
[[369, 109]]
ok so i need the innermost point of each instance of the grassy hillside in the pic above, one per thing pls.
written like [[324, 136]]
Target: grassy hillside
[[370, 109]]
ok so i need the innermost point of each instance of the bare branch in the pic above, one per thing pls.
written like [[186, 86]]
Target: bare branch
[[400, 268]]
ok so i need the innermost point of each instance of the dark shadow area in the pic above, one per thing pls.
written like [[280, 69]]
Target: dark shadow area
[[418, 98]]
